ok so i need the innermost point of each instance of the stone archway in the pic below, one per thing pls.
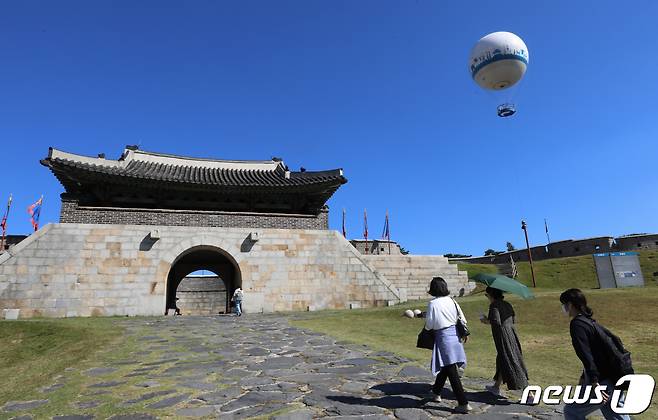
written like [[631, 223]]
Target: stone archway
[[198, 258]]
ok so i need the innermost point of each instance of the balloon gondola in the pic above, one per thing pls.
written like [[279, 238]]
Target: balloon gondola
[[498, 62], [506, 110]]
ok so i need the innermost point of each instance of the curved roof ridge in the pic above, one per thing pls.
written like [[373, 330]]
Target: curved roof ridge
[[194, 158], [195, 162]]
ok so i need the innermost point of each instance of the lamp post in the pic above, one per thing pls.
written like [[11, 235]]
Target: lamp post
[[527, 244]]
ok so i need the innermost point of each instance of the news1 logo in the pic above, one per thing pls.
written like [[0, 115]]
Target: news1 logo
[[638, 395]]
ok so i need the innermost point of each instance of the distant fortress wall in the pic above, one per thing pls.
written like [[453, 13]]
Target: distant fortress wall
[[571, 248]]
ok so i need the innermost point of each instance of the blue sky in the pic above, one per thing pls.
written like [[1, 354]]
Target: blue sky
[[379, 88]]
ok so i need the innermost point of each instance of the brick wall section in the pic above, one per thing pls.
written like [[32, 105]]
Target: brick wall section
[[71, 212]]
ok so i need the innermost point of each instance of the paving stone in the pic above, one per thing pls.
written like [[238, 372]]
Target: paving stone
[[148, 384], [222, 396], [257, 351], [22, 418], [160, 362], [280, 386], [414, 371], [303, 414], [135, 416], [258, 411], [359, 361], [239, 373], [360, 417], [279, 362], [99, 371], [23, 405], [341, 409], [256, 381], [320, 398], [148, 396], [195, 411], [203, 386], [253, 398], [346, 371], [168, 402], [412, 414], [108, 384], [51, 388], [87, 404], [354, 387]]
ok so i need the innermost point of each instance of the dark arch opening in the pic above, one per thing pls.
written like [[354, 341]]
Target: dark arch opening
[[195, 259]]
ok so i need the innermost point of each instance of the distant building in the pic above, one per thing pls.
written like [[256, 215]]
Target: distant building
[[572, 248], [11, 240]]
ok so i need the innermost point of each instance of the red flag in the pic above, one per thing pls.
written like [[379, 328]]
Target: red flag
[[35, 212], [344, 230]]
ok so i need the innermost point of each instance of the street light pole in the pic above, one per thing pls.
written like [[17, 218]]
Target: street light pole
[[527, 244]]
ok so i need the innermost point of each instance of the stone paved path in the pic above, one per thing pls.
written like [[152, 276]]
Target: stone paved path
[[256, 366]]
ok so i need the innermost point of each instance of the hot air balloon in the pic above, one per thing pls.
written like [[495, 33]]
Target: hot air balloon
[[498, 61]]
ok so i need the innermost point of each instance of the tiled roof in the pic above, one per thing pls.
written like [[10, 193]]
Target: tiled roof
[[136, 165]]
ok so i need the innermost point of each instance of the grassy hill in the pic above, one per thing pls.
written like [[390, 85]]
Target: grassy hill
[[563, 273]]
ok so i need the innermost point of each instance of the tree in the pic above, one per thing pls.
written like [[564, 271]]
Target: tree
[[490, 251], [403, 251], [510, 247]]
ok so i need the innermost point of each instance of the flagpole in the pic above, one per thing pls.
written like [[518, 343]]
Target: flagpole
[[388, 232], [4, 224], [527, 244], [365, 228], [344, 231], [547, 236], [39, 216]]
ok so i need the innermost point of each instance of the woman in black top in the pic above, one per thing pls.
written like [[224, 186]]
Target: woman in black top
[[596, 368], [510, 368]]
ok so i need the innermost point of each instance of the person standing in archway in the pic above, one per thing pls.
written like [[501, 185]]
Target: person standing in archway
[[237, 300]]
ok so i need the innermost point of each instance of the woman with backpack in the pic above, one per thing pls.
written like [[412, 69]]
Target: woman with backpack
[[593, 345]]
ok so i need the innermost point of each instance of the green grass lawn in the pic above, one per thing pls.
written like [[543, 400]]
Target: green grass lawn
[[32, 352], [563, 273], [544, 332]]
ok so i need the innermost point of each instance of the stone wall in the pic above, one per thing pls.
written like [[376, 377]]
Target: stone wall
[[201, 296], [83, 269], [376, 247], [571, 248], [574, 248], [71, 212], [413, 273], [636, 242]]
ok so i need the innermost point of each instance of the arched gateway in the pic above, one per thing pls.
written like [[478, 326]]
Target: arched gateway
[[199, 295], [132, 230]]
